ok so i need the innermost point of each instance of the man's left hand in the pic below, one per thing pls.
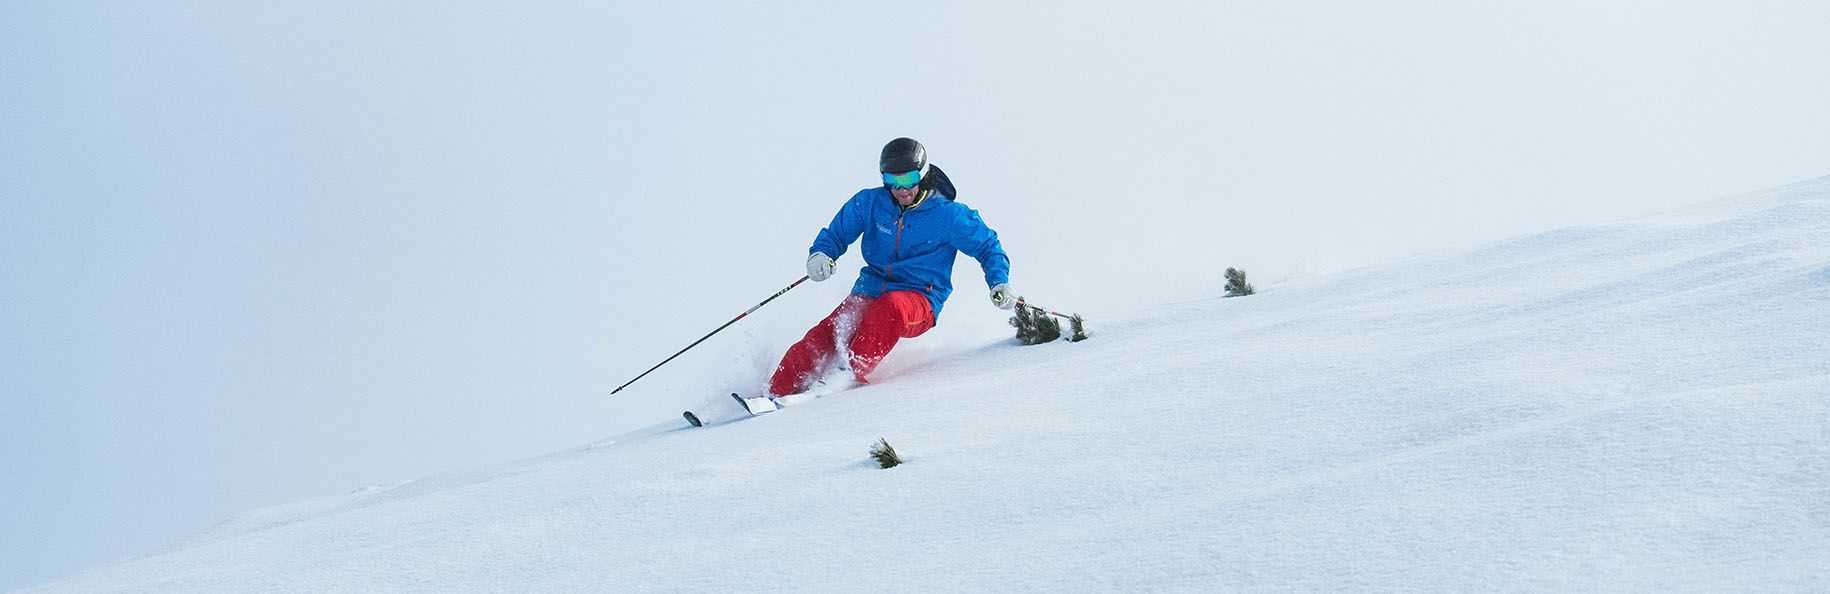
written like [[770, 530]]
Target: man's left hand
[[1002, 297]]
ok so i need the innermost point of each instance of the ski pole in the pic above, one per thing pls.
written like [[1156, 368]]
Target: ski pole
[[702, 339], [1042, 309]]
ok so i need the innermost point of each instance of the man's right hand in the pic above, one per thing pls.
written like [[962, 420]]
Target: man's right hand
[[819, 267]]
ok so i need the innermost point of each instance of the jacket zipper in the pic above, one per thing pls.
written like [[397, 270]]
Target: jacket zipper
[[896, 250], [895, 253]]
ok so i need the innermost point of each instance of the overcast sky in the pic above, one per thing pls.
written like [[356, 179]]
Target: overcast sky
[[257, 252]]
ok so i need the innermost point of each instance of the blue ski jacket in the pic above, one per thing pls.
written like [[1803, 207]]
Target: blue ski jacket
[[912, 250]]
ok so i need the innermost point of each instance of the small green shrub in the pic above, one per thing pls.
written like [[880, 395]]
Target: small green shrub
[[884, 454], [1235, 283], [1035, 326]]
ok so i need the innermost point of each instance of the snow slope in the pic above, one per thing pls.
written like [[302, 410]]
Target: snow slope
[[1634, 406]]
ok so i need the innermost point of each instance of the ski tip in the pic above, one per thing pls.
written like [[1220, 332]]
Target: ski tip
[[692, 419], [758, 405]]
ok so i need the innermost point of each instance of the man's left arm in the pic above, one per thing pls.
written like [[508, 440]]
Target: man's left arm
[[971, 236]]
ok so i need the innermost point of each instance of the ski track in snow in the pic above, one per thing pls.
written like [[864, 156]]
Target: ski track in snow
[[1639, 406]]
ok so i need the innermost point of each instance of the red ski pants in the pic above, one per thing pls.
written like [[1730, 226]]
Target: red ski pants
[[870, 327]]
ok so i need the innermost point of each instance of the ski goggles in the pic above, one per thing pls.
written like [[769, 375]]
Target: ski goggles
[[902, 180]]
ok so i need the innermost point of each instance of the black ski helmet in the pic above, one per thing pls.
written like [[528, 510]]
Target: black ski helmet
[[903, 155]]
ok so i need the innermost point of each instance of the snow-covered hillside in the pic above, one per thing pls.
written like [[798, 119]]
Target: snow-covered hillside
[[1636, 406]]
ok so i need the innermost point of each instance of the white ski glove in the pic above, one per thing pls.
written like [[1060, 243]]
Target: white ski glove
[[1002, 297], [819, 266]]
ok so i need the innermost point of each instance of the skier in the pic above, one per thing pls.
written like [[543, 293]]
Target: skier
[[912, 229]]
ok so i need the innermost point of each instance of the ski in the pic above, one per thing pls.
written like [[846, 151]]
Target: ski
[[753, 406], [758, 405]]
